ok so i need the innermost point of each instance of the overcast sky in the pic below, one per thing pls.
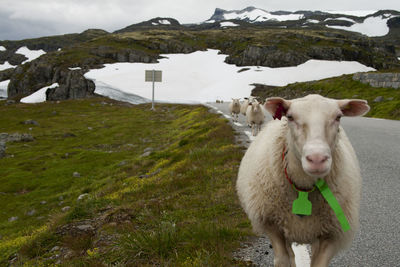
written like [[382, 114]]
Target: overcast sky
[[20, 19]]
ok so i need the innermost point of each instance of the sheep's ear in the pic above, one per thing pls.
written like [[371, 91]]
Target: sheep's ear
[[353, 107], [277, 106]]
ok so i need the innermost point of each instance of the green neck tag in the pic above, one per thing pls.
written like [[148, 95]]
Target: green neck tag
[[333, 203], [302, 206]]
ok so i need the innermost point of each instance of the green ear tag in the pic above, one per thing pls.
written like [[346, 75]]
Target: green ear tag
[[302, 206], [333, 203]]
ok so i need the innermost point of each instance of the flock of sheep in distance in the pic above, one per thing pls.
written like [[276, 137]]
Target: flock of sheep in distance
[[250, 108]]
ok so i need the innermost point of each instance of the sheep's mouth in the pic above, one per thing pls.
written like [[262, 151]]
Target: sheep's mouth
[[317, 173]]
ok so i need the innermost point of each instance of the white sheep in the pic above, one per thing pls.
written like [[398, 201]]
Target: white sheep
[[254, 116], [304, 146], [245, 104], [234, 108]]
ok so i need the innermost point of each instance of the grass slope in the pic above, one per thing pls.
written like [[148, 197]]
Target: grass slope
[[173, 206], [340, 88]]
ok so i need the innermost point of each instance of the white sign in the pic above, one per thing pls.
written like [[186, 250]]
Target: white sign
[[156, 78], [153, 76]]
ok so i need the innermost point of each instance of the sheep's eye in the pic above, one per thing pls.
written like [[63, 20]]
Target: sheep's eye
[[338, 117], [290, 117]]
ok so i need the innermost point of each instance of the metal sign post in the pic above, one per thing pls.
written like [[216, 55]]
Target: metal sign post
[[153, 76]]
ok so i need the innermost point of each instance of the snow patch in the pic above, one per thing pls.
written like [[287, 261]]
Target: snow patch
[[38, 96], [341, 18], [203, 76], [76, 68], [357, 13], [258, 15], [313, 21], [6, 65], [371, 26], [164, 22], [30, 54], [238, 124], [209, 21], [228, 24], [2, 48], [3, 88]]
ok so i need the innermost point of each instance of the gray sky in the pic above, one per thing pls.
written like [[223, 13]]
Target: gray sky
[[20, 19]]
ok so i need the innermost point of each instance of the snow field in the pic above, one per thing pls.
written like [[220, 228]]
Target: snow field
[[203, 76]]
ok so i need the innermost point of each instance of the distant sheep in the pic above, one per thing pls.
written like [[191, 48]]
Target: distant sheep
[[255, 116], [288, 157], [234, 108], [245, 104]]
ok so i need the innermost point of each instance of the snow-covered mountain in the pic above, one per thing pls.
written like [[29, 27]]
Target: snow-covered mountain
[[372, 23], [252, 14]]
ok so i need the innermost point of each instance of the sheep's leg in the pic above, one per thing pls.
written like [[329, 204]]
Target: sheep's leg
[[314, 250], [291, 254], [323, 251], [281, 255]]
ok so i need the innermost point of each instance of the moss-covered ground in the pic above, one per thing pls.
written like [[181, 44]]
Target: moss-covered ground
[[159, 185]]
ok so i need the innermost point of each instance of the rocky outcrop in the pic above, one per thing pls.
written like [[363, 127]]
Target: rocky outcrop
[[11, 57], [367, 53], [73, 85], [391, 80], [6, 74], [269, 56], [123, 55], [30, 77]]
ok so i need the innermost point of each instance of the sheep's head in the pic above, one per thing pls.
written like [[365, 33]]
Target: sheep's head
[[313, 126], [236, 101], [255, 106]]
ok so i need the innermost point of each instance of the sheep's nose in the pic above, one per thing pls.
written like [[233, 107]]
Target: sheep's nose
[[317, 159]]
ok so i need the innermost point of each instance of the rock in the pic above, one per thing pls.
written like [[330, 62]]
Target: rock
[[85, 227], [76, 174], [12, 219], [90, 128], [2, 149], [31, 212], [82, 196], [16, 137], [66, 208], [55, 249], [389, 98], [378, 99], [148, 149], [122, 163], [54, 113], [145, 154], [151, 174], [60, 203], [31, 122], [10, 102], [66, 135], [43, 202]]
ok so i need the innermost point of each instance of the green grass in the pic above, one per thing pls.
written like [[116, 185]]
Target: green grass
[[340, 88], [176, 206]]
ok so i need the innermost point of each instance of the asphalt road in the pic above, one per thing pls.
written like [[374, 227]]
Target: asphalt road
[[377, 144]]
